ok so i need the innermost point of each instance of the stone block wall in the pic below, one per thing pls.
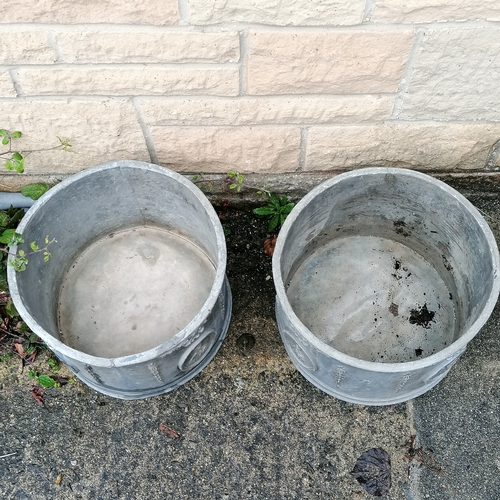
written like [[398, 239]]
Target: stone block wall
[[261, 86]]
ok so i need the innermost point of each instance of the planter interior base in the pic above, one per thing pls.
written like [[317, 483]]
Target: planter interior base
[[132, 291], [374, 299]]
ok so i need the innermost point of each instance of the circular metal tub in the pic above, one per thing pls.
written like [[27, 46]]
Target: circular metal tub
[[382, 278], [135, 299]]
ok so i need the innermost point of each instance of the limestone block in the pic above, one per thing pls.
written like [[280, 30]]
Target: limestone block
[[277, 12], [221, 149], [25, 47], [426, 11], [420, 146], [455, 76], [99, 131], [159, 12], [336, 62], [148, 46], [266, 110], [6, 85], [129, 80]]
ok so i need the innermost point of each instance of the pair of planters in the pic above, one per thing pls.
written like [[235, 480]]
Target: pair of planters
[[382, 278]]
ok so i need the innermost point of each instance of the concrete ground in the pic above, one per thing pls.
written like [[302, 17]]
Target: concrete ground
[[249, 426]]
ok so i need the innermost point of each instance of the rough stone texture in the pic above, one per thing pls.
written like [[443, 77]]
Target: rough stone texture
[[419, 146], [136, 46], [6, 85], [25, 47], [132, 80], [261, 110], [91, 11], [220, 149], [99, 131], [277, 12], [425, 11], [330, 62], [455, 76]]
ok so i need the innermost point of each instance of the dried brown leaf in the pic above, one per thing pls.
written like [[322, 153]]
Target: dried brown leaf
[[58, 479], [20, 350], [27, 360], [373, 471], [269, 245], [168, 431], [37, 393]]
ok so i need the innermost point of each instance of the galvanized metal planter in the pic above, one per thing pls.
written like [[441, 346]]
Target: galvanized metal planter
[[135, 299], [382, 278]]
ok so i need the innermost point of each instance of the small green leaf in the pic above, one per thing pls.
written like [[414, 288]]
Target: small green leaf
[[34, 246], [274, 200], [273, 223], [233, 186], [35, 191], [18, 166], [21, 253], [4, 219], [282, 219], [7, 236], [64, 143], [195, 178], [231, 174], [16, 134], [53, 363], [46, 381], [5, 140], [47, 239], [18, 264], [17, 156], [267, 210], [9, 165], [288, 208], [16, 239], [10, 309], [283, 200], [28, 349], [3, 132]]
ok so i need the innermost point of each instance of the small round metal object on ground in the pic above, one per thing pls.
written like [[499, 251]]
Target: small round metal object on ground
[[382, 276], [135, 299]]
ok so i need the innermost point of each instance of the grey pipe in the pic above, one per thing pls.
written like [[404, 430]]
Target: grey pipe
[[17, 200]]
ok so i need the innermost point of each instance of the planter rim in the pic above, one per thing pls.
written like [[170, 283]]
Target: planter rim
[[448, 352], [178, 339]]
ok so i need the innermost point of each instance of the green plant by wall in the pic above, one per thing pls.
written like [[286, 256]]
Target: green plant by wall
[[14, 160], [276, 210], [238, 180]]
